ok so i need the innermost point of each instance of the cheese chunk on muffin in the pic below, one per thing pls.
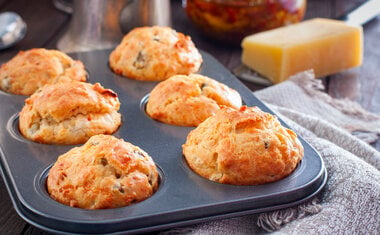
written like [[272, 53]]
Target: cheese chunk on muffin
[[34, 68], [155, 54], [188, 100], [69, 113], [242, 147], [106, 172]]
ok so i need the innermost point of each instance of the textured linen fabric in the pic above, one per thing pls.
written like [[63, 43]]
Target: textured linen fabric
[[350, 201]]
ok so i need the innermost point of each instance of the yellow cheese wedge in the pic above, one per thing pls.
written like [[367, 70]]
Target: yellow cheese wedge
[[327, 46]]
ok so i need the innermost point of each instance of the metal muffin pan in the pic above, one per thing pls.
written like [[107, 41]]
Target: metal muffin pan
[[183, 197]]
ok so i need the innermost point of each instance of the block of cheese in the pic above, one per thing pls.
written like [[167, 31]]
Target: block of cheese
[[327, 46]]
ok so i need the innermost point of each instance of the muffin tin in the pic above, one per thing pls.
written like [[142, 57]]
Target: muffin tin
[[182, 198]]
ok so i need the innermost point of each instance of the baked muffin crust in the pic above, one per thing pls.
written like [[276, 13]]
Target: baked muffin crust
[[155, 54], [242, 147], [105, 172], [188, 100], [69, 113], [30, 70]]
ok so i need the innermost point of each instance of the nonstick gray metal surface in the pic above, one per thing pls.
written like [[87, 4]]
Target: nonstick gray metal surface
[[183, 197]]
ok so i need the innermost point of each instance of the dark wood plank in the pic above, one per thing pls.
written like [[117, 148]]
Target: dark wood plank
[[31, 230], [10, 222], [3, 2], [319, 8]]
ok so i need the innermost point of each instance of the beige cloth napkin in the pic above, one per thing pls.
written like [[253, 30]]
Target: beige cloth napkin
[[350, 202]]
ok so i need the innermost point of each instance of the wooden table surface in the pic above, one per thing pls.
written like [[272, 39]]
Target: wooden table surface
[[46, 25]]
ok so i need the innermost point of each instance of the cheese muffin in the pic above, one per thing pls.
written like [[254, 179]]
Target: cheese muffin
[[155, 54], [188, 100], [34, 68], [242, 147], [69, 113], [105, 172]]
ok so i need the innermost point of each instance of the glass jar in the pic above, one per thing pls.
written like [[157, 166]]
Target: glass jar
[[232, 20]]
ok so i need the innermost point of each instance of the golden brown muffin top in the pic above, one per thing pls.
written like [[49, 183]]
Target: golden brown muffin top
[[189, 100], [64, 100], [32, 69], [105, 172], [242, 147], [154, 54]]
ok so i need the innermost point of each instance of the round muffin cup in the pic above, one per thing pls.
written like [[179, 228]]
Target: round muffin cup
[[13, 128]]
